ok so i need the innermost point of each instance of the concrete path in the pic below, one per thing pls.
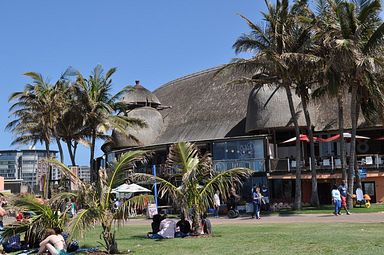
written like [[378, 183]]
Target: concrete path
[[304, 218]]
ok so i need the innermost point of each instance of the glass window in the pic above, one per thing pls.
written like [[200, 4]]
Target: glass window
[[241, 149], [239, 153]]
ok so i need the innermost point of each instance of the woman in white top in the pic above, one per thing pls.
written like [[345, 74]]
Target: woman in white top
[[216, 203], [336, 200], [359, 195]]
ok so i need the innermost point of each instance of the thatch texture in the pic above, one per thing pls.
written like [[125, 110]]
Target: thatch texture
[[140, 136], [139, 96], [204, 106]]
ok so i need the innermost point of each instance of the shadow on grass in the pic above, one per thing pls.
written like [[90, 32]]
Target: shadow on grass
[[133, 237]]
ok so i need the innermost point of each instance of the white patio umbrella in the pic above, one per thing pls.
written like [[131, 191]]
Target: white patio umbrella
[[130, 188]]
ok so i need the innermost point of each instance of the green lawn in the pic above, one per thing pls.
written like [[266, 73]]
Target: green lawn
[[308, 238]]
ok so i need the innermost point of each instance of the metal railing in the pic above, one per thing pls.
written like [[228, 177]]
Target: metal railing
[[369, 161], [257, 165]]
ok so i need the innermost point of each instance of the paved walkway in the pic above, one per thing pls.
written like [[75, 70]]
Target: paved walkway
[[295, 218], [284, 218]]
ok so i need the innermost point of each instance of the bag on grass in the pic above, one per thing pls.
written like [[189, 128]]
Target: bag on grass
[[12, 244], [72, 246]]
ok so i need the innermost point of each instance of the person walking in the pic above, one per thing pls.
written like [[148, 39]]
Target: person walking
[[265, 193], [216, 204], [343, 188], [336, 200], [256, 200]]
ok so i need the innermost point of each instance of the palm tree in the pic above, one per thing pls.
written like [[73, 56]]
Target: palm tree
[[355, 33], [95, 201], [198, 181], [36, 110], [70, 124], [280, 48], [99, 106]]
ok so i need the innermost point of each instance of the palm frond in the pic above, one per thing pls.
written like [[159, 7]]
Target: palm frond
[[223, 182], [84, 220], [132, 204], [165, 186]]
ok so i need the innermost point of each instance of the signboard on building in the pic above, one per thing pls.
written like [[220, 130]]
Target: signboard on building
[[362, 173]]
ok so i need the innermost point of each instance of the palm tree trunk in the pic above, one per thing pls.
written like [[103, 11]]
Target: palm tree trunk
[[70, 152], [46, 188], [357, 176], [297, 203], [196, 221], [94, 175], [75, 143], [314, 194], [343, 159], [61, 152], [109, 237], [351, 168]]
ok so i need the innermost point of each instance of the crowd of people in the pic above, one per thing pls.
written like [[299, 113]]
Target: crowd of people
[[164, 227], [340, 195]]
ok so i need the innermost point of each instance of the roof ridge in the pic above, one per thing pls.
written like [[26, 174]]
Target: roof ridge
[[188, 76]]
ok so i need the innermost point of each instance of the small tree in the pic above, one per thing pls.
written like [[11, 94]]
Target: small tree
[[44, 216], [199, 181], [96, 203]]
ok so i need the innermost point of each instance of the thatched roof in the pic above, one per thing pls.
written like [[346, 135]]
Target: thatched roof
[[203, 106], [140, 136], [140, 96]]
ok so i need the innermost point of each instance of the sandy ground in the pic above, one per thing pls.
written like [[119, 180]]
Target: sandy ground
[[304, 218]]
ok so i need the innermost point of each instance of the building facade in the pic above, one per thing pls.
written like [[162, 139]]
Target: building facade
[[85, 173], [25, 165], [243, 126]]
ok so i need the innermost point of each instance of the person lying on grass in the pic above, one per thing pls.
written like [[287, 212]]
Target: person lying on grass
[[54, 243]]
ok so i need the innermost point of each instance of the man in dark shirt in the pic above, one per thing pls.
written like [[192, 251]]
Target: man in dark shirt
[[343, 189], [183, 227], [207, 225]]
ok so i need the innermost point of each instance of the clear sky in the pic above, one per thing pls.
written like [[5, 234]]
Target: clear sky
[[151, 41]]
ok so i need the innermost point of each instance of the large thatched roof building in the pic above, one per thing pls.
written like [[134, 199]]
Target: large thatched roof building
[[208, 108]]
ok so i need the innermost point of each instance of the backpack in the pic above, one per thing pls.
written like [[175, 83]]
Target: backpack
[[72, 246], [12, 244]]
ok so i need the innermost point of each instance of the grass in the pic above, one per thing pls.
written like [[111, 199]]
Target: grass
[[292, 238]]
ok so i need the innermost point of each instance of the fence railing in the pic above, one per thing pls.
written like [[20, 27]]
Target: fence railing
[[369, 161], [257, 165]]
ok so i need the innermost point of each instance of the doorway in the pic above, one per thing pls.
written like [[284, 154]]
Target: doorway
[[324, 189], [369, 188]]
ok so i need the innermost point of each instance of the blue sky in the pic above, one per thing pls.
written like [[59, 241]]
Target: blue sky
[[151, 41]]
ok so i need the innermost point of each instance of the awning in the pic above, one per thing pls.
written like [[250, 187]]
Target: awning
[[303, 138], [346, 136]]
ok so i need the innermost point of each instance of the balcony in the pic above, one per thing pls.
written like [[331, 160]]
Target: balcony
[[327, 164], [257, 165]]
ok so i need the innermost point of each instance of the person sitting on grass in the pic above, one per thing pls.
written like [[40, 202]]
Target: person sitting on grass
[[53, 243], [207, 225], [167, 229], [183, 227], [155, 225]]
